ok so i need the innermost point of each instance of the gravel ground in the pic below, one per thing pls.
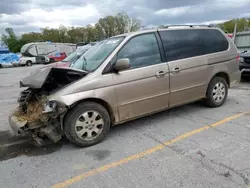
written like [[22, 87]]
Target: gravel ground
[[137, 153]]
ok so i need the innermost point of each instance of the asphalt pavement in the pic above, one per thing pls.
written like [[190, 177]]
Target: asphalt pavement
[[190, 146]]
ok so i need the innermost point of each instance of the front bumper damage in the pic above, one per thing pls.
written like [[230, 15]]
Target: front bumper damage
[[37, 116], [18, 127], [40, 127], [39, 133]]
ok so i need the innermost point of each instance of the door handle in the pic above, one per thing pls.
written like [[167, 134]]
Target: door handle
[[176, 70], [160, 74]]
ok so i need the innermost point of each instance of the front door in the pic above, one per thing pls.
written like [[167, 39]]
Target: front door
[[144, 87]]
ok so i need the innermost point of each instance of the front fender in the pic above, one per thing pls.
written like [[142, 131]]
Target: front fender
[[71, 99]]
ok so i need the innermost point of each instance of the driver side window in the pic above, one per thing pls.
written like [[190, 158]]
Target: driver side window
[[142, 51]]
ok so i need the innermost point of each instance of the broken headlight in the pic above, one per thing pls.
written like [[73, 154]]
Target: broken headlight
[[50, 106]]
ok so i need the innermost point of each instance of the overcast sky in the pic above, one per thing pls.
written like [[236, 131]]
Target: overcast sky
[[30, 15]]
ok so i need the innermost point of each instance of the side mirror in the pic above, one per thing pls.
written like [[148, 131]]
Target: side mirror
[[122, 64]]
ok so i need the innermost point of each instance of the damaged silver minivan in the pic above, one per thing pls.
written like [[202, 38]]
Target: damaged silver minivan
[[123, 78]]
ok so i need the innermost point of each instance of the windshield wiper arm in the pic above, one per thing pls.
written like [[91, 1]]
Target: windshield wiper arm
[[84, 63]]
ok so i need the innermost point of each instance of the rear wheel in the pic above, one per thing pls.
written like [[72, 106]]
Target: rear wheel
[[217, 92], [29, 63], [87, 124]]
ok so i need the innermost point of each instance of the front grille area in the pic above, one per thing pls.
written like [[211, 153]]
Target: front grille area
[[247, 60], [24, 96]]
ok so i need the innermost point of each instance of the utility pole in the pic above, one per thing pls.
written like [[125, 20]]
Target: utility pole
[[234, 33]]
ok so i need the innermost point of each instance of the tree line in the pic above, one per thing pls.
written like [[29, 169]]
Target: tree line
[[243, 24], [104, 28]]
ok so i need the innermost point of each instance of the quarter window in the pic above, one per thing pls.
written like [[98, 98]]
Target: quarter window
[[180, 44], [142, 51]]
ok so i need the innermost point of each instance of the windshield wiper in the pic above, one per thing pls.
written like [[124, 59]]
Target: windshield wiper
[[84, 63]]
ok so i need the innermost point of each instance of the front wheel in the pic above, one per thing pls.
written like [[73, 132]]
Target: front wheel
[[87, 124], [29, 63], [217, 92]]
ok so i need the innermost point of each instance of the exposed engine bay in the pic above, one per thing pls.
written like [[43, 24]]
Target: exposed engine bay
[[36, 116]]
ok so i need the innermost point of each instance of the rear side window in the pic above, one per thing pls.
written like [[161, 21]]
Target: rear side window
[[180, 44]]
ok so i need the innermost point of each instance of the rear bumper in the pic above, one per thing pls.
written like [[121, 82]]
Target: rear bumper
[[235, 78], [15, 63], [22, 63]]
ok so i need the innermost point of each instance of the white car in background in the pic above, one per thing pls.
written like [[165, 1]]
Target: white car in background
[[28, 61]]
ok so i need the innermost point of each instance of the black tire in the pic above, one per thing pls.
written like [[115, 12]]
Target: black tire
[[75, 113], [51, 60], [210, 101], [29, 63]]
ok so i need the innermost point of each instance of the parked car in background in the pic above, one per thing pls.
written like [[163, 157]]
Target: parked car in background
[[26, 61], [245, 63], [126, 77], [55, 57]]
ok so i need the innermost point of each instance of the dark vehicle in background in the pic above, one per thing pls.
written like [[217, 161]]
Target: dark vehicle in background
[[245, 64]]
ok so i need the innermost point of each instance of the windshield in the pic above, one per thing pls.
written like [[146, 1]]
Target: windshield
[[95, 56], [75, 55]]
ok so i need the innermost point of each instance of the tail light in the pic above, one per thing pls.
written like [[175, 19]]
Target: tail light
[[238, 58]]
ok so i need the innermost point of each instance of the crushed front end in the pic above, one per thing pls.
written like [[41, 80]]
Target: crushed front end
[[36, 116]]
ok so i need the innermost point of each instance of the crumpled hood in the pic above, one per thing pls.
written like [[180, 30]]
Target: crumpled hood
[[59, 64], [50, 78]]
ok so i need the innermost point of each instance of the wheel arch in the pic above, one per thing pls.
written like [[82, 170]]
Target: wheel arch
[[223, 75], [208, 99], [105, 104]]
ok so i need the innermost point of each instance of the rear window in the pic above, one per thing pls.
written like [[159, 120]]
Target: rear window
[[180, 44]]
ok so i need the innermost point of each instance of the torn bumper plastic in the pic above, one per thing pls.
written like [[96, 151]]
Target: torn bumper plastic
[[24, 128], [18, 127]]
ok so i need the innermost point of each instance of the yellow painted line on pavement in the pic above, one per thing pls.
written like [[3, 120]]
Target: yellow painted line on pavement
[[144, 153]]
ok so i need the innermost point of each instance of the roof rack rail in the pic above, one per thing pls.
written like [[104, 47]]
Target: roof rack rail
[[167, 26]]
